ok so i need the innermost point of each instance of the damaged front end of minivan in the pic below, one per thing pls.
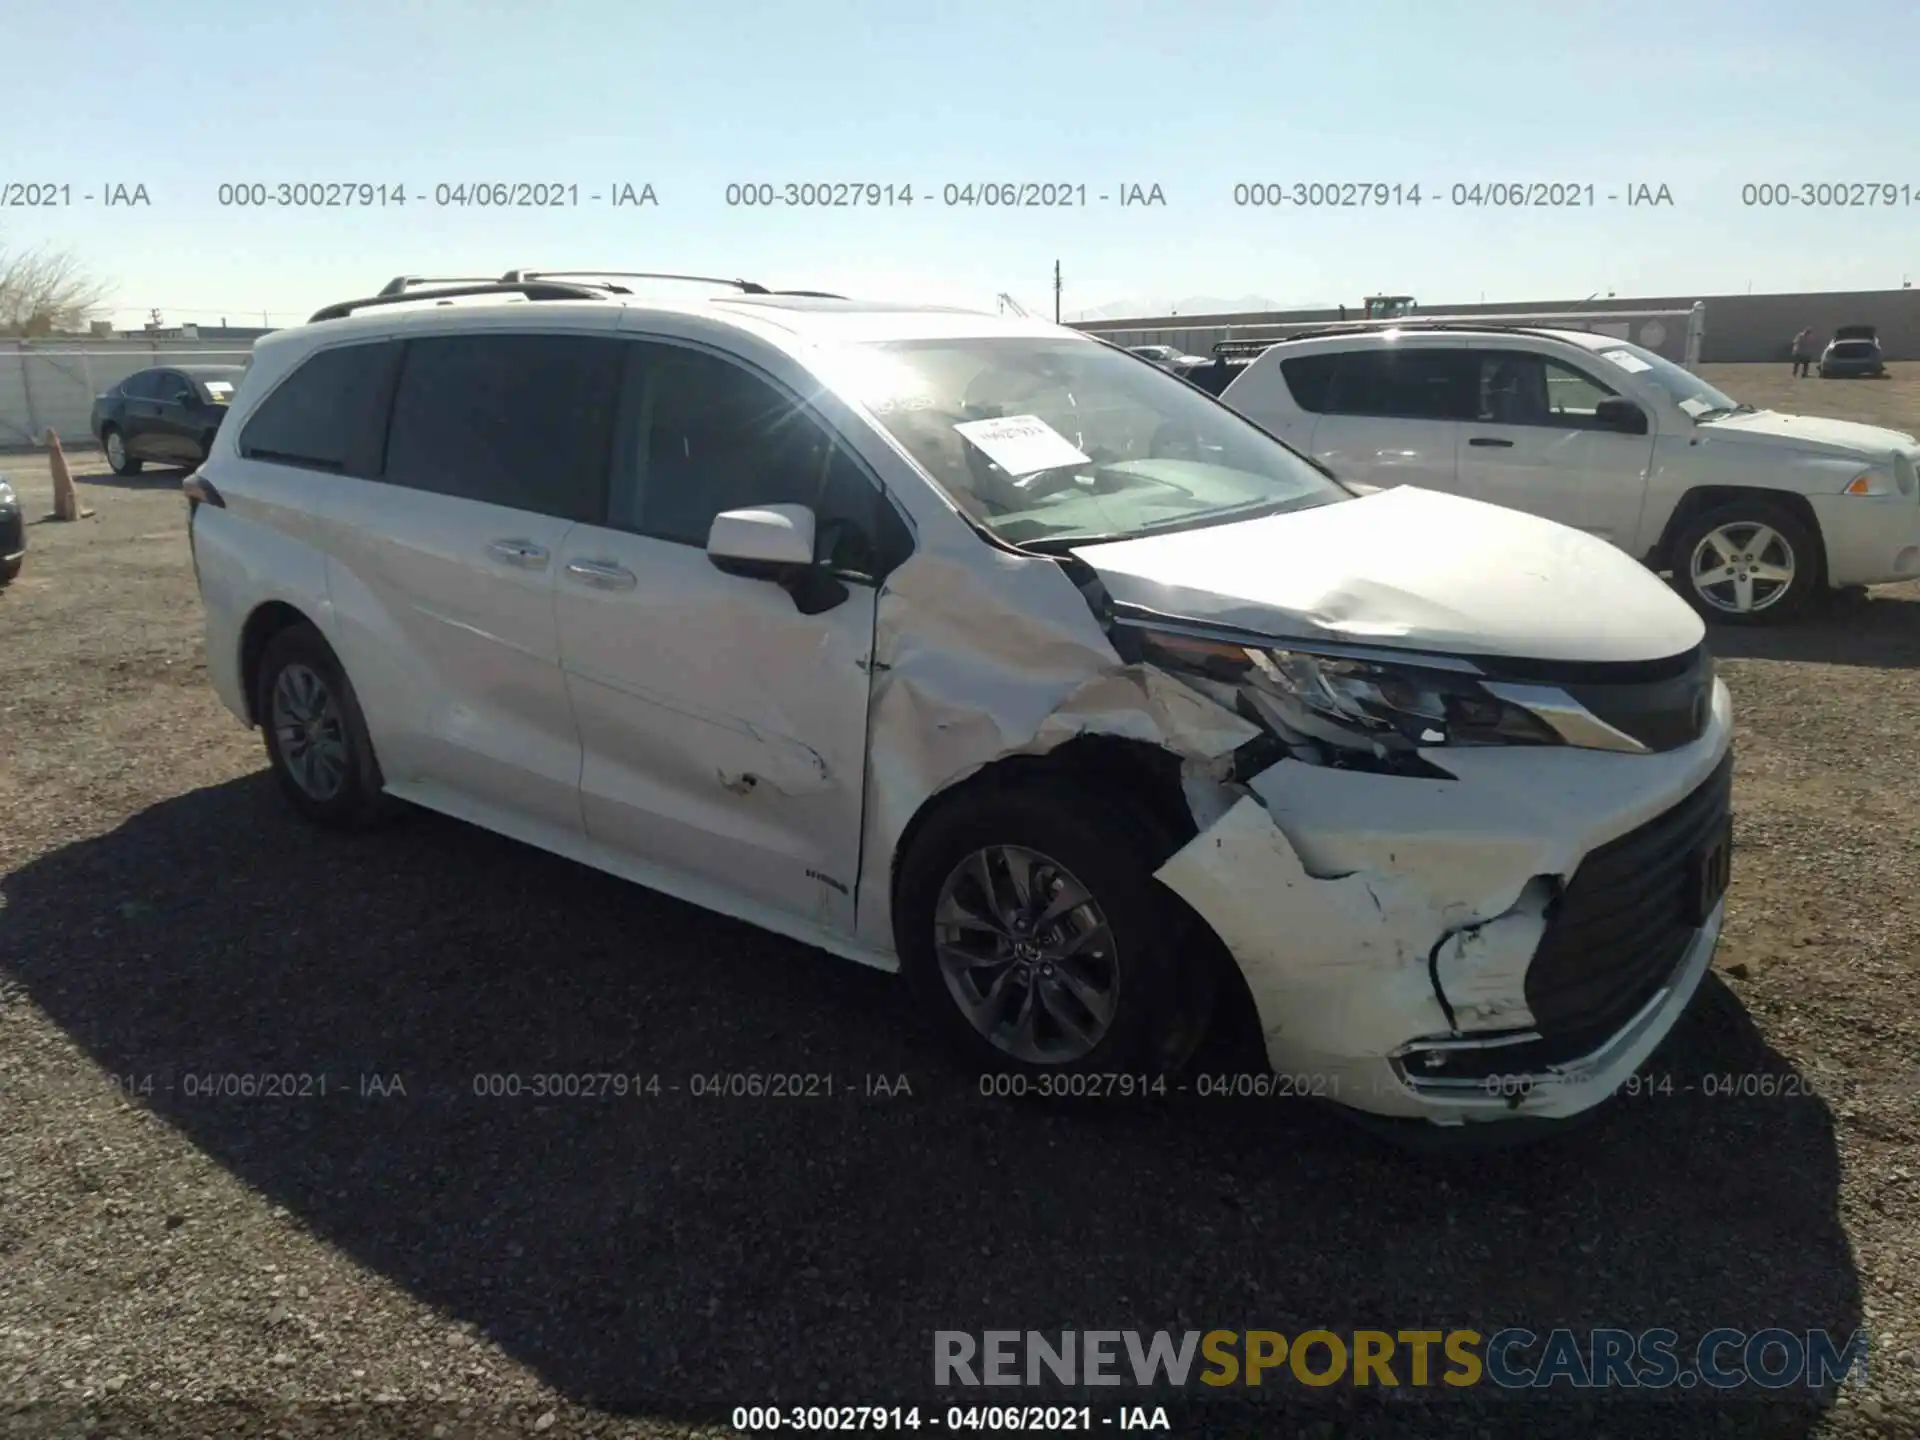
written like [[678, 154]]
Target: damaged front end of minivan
[[1456, 890]]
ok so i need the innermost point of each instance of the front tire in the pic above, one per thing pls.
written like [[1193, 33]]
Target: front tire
[[1747, 563], [10, 569], [1035, 938], [115, 444], [315, 733]]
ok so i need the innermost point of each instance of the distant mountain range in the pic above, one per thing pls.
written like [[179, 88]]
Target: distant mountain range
[[1191, 305]]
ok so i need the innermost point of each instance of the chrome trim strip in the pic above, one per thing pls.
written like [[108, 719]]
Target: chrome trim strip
[[1567, 717], [1135, 618]]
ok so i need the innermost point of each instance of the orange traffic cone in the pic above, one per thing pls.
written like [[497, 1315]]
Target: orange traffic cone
[[66, 500]]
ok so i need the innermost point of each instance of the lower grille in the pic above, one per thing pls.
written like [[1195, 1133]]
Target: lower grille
[[1621, 926]]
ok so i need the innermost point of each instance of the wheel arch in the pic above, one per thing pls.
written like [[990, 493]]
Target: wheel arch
[[266, 621], [1702, 498], [1143, 783]]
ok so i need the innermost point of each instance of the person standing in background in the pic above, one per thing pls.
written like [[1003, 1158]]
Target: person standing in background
[[1802, 352]]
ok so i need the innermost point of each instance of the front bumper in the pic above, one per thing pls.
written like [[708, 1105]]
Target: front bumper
[[1869, 539], [1380, 921], [1852, 369]]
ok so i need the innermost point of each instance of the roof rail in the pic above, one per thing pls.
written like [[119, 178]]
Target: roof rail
[[541, 290], [745, 286], [1375, 327], [811, 294], [400, 284], [1243, 349]]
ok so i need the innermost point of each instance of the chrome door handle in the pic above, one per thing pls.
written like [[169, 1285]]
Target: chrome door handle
[[523, 553], [603, 573]]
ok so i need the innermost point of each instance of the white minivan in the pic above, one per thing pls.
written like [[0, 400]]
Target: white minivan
[[1754, 512], [974, 648]]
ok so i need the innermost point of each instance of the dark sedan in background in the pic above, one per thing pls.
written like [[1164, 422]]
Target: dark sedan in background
[[1854, 350], [167, 415], [13, 532]]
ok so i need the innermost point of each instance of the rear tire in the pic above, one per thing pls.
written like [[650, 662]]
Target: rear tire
[[1104, 986], [316, 735], [1757, 553], [118, 460]]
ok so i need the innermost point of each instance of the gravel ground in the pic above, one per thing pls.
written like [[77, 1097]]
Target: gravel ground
[[399, 1253]]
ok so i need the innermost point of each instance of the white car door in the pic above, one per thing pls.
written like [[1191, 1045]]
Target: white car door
[[724, 730], [1391, 417], [442, 572], [1535, 444]]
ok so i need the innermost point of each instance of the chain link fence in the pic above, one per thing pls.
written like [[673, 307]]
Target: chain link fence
[[51, 384]]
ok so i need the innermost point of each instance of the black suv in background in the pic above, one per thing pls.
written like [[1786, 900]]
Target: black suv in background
[[167, 415], [1854, 350]]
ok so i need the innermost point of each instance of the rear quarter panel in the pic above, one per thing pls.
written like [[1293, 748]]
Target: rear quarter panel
[[258, 548]]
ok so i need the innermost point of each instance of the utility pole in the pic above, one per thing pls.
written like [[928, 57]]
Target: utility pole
[[1056, 292]]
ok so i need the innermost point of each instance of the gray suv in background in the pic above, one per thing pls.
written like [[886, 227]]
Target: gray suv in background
[[1853, 352]]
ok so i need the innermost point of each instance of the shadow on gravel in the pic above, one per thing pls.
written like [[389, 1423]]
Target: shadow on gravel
[[1879, 632], [153, 477], [684, 1254]]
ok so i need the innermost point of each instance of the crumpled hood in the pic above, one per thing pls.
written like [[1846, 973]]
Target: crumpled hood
[[1811, 433], [1410, 568]]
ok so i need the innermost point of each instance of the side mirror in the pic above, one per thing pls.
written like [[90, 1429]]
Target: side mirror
[[186, 398], [775, 542], [1616, 412]]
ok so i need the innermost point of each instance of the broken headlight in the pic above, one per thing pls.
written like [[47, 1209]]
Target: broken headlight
[[1374, 705]]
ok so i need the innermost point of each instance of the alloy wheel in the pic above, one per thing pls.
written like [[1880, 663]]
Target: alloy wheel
[[116, 449], [311, 732], [1742, 567], [1027, 954]]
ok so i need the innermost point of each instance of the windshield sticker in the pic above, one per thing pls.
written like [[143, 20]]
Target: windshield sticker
[[1626, 360], [1697, 408], [1021, 444]]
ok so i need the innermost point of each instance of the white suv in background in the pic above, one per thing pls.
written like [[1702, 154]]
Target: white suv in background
[[982, 650], [1752, 511]]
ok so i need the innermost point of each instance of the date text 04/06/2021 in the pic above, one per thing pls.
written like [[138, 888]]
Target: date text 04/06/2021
[[901, 1419]]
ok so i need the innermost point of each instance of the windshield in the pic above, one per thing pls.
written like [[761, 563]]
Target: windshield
[[1686, 389], [1044, 439]]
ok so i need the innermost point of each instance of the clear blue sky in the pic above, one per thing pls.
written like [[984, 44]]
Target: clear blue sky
[[1702, 96]]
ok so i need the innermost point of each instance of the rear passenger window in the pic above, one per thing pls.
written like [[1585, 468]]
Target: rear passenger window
[[1310, 378], [524, 421], [706, 435], [330, 414], [1420, 384]]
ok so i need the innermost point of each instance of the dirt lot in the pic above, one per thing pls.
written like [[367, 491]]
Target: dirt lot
[[401, 1253]]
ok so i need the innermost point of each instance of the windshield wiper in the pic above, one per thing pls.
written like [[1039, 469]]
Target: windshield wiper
[[1255, 510], [1059, 544]]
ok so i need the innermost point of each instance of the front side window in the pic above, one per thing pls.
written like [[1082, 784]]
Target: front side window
[[1521, 388], [1040, 439], [329, 414], [519, 420], [142, 386], [702, 434]]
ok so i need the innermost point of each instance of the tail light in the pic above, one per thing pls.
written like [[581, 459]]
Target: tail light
[[199, 491]]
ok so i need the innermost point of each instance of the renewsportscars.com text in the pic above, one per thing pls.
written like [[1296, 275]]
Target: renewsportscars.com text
[[1511, 1358]]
